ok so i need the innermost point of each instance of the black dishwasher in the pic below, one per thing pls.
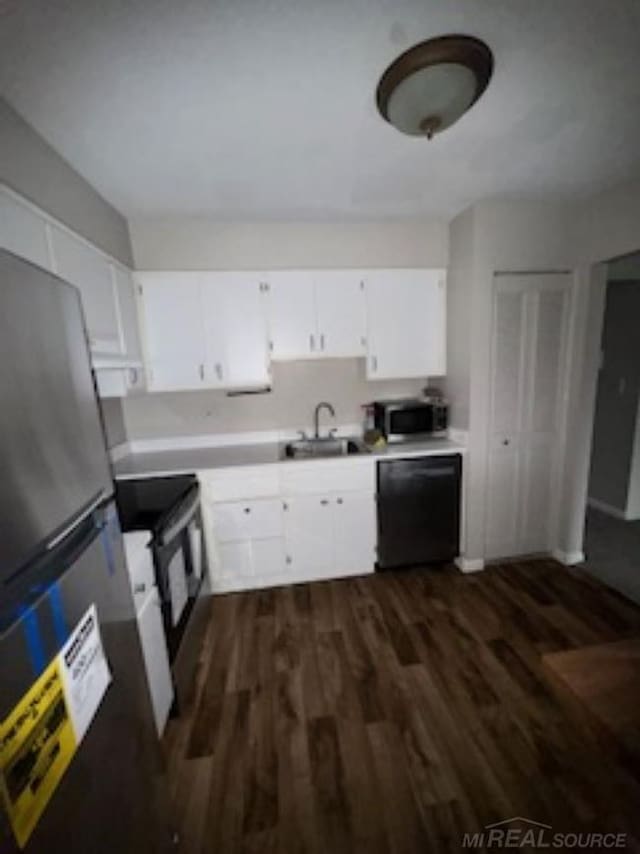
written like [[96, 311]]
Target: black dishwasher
[[418, 510]]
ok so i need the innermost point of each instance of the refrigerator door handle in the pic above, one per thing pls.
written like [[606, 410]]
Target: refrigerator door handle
[[93, 504]]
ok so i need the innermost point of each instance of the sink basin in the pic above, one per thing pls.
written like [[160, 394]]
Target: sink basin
[[330, 447]]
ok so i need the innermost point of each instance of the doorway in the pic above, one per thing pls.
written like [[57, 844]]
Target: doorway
[[612, 530]]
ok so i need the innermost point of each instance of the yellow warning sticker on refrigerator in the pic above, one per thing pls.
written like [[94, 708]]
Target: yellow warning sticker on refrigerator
[[37, 742]]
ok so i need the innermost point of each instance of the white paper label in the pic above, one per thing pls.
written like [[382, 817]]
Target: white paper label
[[85, 672]]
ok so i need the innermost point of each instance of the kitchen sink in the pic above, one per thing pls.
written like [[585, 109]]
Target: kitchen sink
[[329, 447]]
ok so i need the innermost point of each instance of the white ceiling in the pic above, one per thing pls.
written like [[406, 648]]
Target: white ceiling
[[243, 109]]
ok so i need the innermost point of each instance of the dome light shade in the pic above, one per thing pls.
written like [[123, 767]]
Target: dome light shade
[[430, 86]]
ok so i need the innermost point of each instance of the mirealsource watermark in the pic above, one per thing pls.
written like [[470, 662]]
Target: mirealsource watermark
[[533, 834]]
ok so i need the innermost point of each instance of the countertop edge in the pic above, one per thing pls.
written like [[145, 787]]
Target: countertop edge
[[151, 464]]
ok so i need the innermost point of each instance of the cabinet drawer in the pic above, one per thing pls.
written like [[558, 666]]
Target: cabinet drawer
[[247, 520], [320, 477], [235, 561], [237, 484]]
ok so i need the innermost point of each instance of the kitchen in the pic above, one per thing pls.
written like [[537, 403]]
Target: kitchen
[[340, 448]]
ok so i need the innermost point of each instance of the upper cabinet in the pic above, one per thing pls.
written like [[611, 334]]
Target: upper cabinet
[[174, 330], [406, 323], [23, 231], [205, 330], [106, 289], [235, 319], [316, 314], [292, 316], [90, 271], [222, 329], [340, 313]]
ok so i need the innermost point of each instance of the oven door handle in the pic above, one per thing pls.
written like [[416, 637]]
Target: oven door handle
[[177, 525]]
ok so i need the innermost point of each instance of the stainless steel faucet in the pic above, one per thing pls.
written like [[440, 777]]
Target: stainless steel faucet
[[316, 416]]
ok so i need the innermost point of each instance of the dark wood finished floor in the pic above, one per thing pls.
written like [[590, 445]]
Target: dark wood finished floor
[[396, 712]]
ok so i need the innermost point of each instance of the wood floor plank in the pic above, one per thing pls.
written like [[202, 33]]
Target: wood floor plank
[[396, 712]]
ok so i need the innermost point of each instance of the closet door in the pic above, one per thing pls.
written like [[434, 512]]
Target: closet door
[[507, 399], [528, 347], [541, 436]]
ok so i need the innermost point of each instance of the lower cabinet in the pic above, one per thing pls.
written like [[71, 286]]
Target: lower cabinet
[[330, 535], [297, 523]]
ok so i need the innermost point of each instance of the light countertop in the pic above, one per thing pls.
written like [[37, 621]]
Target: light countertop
[[190, 460]]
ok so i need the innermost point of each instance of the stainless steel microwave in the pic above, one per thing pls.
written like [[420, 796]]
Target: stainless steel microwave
[[410, 419]]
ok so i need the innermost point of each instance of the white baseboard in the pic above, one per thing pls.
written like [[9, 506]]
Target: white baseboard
[[466, 564], [568, 558], [609, 509]]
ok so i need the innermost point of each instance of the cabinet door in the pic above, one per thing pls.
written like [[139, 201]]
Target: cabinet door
[[156, 659], [268, 557], [236, 330], [292, 318], [130, 336], [247, 520], [236, 561], [354, 533], [172, 312], [213, 296], [23, 231], [340, 313], [90, 272], [406, 323], [308, 527]]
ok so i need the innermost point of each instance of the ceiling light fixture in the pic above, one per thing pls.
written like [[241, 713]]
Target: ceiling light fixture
[[430, 86]]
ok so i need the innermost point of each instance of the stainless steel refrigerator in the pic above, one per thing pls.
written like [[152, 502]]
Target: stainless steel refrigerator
[[61, 552]]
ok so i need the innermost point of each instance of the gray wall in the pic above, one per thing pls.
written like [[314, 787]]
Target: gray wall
[[32, 168], [617, 396], [204, 244], [297, 388]]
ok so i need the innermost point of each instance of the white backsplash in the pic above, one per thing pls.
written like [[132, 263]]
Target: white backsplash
[[297, 388]]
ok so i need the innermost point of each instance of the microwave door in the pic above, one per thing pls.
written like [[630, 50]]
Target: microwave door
[[409, 422]]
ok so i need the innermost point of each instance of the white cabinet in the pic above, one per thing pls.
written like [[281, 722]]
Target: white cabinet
[[248, 520], [354, 533], [316, 314], [128, 311], [292, 315], [309, 536], [205, 330], [330, 535], [237, 344], [23, 231], [249, 542], [406, 323], [329, 518], [340, 313], [280, 524], [175, 332], [528, 346], [212, 296], [156, 658], [131, 380], [90, 271]]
